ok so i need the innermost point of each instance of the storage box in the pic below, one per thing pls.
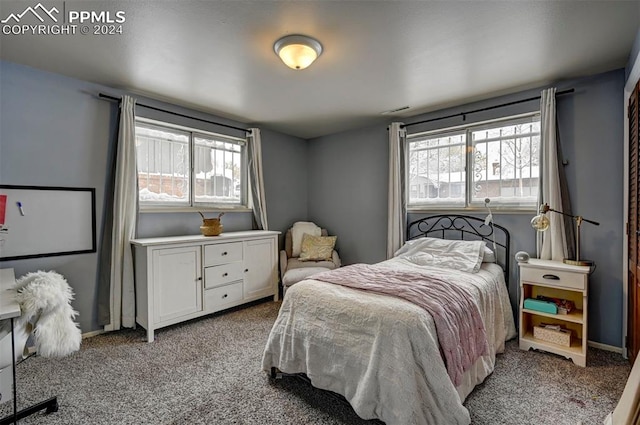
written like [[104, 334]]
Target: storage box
[[560, 337], [540, 305]]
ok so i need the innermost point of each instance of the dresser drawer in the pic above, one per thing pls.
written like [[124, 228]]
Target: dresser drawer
[[223, 274], [219, 297], [556, 278], [221, 253]]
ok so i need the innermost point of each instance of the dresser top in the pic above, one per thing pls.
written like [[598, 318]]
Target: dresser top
[[223, 237]]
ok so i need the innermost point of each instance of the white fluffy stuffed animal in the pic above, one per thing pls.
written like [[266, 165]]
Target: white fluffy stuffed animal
[[45, 301]]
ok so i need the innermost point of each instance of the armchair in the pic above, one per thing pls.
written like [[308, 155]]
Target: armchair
[[293, 269]]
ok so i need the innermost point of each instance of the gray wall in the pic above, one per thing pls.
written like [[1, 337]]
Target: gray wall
[[348, 174], [285, 161], [348, 186], [54, 131], [592, 132]]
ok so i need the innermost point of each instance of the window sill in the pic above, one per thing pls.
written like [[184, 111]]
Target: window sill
[[184, 209], [471, 210]]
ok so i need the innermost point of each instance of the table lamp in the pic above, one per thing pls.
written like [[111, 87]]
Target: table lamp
[[541, 223]]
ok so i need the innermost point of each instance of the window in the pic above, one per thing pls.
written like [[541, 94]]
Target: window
[[180, 167], [460, 167]]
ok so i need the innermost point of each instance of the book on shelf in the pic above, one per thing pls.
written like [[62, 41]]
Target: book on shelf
[[564, 306]]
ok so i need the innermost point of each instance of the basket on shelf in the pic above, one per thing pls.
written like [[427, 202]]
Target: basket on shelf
[[557, 336], [211, 226]]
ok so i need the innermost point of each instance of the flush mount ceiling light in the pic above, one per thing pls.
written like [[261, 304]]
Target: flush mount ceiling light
[[297, 51]]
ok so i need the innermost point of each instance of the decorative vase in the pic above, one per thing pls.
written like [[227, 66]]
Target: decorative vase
[[211, 226]]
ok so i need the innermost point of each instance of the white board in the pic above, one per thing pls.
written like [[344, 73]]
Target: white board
[[41, 221]]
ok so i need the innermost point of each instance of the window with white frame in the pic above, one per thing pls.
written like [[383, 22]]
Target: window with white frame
[[182, 167], [459, 167]]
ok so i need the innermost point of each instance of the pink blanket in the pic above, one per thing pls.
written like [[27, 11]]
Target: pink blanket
[[458, 322]]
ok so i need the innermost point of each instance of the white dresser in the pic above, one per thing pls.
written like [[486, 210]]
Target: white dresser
[[179, 278]]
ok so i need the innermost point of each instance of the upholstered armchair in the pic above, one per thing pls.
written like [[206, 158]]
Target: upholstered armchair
[[295, 265]]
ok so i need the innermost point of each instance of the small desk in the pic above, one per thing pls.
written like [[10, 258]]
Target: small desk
[[10, 309]]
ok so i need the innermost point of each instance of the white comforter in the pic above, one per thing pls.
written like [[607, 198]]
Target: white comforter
[[380, 352]]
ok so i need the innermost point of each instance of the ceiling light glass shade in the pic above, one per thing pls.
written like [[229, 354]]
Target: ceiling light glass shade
[[297, 51], [540, 222]]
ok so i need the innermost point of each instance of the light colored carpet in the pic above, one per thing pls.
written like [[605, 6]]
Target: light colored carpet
[[207, 371]]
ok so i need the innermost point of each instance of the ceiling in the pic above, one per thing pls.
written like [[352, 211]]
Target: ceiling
[[217, 56]]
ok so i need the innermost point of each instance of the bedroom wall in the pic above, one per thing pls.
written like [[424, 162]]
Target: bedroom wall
[[54, 131], [348, 175], [348, 186]]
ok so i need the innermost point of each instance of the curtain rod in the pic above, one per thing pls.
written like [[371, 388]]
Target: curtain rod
[[463, 114], [106, 96]]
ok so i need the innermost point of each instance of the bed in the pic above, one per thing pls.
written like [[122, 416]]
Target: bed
[[384, 353]]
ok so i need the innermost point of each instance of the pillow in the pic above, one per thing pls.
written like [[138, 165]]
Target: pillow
[[488, 256], [317, 248], [298, 230], [465, 256]]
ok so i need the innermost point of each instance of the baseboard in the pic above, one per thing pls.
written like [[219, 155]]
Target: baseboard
[[92, 333], [605, 347]]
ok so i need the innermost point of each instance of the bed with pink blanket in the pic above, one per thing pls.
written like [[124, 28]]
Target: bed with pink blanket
[[406, 340]]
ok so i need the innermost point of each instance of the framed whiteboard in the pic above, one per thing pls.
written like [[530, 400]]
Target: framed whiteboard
[[41, 221]]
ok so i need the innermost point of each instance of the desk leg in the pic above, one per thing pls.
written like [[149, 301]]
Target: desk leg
[[51, 405], [13, 366]]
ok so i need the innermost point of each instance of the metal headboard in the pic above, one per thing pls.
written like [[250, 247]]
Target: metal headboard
[[463, 227]]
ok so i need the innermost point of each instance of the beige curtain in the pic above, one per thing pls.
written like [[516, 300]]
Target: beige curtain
[[256, 180], [125, 213], [552, 244], [397, 208]]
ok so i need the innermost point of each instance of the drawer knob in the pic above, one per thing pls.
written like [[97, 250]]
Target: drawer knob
[[246, 270], [224, 253], [225, 274], [200, 278], [550, 276], [224, 296]]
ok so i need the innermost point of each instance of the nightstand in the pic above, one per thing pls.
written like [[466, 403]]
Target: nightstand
[[554, 279]]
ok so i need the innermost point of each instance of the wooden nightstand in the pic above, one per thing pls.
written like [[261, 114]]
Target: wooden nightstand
[[555, 279]]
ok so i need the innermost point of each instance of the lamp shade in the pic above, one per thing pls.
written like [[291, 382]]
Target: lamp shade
[[297, 51]]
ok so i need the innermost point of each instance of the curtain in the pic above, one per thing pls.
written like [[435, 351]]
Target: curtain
[[551, 244], [125, 212], [256, 181], [104, 262], [397, 209]]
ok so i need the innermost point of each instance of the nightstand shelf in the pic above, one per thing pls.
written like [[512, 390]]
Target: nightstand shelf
[[575, 316], [555, 279], [574, 349]]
